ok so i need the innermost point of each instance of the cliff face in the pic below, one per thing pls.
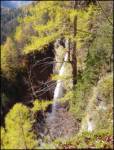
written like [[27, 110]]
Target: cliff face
[[33, 82], [99, 106], [38, 75]]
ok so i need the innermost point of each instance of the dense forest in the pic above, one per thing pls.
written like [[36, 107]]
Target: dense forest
[[56, 75]]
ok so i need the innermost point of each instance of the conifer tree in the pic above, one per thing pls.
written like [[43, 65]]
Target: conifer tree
[[19, 132], [9, 58], [46, 22], [51, 20], [2, 137]]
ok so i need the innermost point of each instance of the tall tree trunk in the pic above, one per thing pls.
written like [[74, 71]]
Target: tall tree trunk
[[74, 57], [69, 47], [22, 130]]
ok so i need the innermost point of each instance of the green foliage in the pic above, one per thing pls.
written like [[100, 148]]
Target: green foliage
[[9, 59], [44, 23], [40, 105], [105, 89], [100, 51], [99, 139], [79, 99], [84, 21], [39, 43], [19, 133], [8, 18], [99, 105], [49, 23], [4, 99], [105, 92], [2, 137], [23, 39], [98, 63]]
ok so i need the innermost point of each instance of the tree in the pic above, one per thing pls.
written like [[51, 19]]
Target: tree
[[2, 137], [9, 58], [19, 132], [50, 23], [74, 55]]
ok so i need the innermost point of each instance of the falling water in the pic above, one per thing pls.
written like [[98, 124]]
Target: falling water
[[89, 126], [59, 89], [102, 107]]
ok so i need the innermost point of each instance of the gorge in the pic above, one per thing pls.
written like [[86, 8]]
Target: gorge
[[56, 75]]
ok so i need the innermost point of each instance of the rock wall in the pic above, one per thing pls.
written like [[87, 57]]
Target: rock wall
[[38, 77], [100, 106]]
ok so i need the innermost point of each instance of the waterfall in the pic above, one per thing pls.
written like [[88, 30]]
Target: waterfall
[[102, 107], [59, 89], [89, 126]]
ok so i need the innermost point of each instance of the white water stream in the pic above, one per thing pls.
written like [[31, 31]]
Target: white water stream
[[59, 89], [89, 126]]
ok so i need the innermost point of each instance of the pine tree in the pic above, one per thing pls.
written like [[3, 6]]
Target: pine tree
[[9, 58], [46, 22], [2, 137], [51, 20], [19, 132], [74, 57]]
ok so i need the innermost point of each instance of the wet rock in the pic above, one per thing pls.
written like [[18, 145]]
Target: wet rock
[[62, 124]]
